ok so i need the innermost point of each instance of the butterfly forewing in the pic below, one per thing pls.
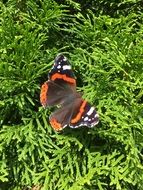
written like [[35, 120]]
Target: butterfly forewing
[[62, 70], [54, 94]]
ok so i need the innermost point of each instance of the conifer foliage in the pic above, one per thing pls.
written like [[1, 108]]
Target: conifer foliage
[[104, 42]]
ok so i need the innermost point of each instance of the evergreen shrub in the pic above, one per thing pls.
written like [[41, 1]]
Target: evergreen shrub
[[105, 49]]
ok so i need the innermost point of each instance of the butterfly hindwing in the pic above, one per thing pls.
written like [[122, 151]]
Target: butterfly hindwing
[[75, 113], [62, 116], [86, 116]]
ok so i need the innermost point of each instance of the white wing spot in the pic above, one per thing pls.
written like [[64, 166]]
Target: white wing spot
[[95, 123], [59, 66], [64, 59], [66, 67], [90, 111], [86, 119], [96, 116]]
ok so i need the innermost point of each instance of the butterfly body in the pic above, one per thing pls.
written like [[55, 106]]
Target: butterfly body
[[60, 89]]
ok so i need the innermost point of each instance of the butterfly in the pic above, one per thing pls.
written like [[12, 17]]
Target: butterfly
[[60, 89]]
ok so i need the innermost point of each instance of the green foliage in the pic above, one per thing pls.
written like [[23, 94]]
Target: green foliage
[[105, 49]]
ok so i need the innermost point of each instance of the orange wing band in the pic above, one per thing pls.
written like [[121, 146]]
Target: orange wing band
[[57, 126], [79, 115], [43, 94], [64, 77]]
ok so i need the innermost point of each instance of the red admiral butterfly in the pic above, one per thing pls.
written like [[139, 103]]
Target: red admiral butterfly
[[60, 89]]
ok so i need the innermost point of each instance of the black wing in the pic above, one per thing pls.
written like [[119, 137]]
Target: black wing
[[54, 94], [62, 70], [86, 116]]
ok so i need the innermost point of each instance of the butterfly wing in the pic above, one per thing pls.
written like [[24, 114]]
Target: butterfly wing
[[62, 117], [62, 71], [75, 112], [61, 83], [60, 89], [85, 116], [53, 94]]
